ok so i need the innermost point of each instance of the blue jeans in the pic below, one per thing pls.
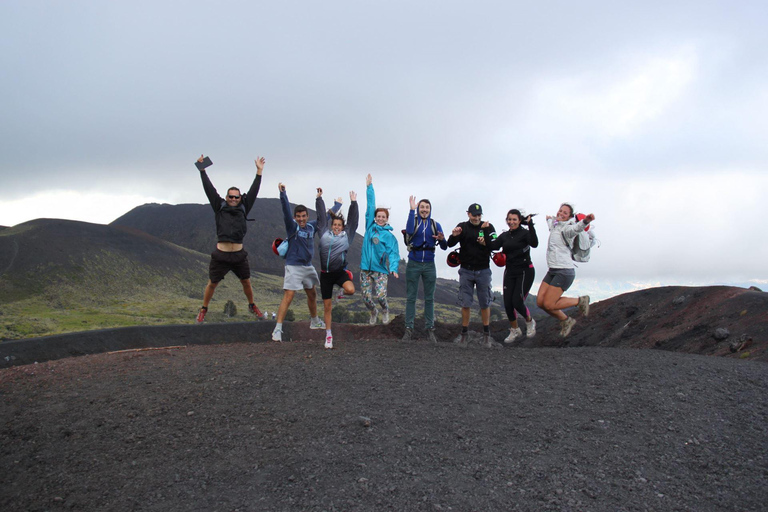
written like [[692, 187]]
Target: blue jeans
[[414, 271]]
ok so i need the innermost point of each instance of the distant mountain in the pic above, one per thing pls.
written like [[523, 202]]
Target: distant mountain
[[44, 256]]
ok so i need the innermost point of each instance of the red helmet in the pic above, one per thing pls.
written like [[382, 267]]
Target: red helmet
[[579, 217], [500, 259], [453, 259], [275, 245]]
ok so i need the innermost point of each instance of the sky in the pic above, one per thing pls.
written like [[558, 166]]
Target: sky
[[651, 115]]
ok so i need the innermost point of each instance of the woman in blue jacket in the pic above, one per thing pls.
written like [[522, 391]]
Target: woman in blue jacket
[[380, 257]]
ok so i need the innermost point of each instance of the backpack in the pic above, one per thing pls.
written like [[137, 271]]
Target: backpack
[[409, 238], [282, 249], [581, 245]]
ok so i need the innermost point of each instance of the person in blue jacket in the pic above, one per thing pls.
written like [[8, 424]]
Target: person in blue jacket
[[380, 257], [299, 272], [423, 235], [333, 247]]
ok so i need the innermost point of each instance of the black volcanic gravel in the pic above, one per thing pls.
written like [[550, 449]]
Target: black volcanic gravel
[[382, 425]]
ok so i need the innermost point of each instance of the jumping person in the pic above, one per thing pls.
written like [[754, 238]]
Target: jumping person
[[231, 215], [516, 245], [424, 236], [334, 244], [299, 272], [561, 272], [474, 238], [380, 257]]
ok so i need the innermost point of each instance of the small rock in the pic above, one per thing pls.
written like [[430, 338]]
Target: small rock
[[191, 413], [365, 421], [679, 300], [755, 289], [721, 333]]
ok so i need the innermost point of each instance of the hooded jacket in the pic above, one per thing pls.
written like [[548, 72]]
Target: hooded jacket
[[230, 220], [301, 243], [380, 250], [421, 229], [333, 248], [558, 253]]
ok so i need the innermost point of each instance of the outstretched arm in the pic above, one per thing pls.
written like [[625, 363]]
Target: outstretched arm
[[250, 196], [210, 191], [322, 215], [290, 225], [353, 217], [370, 196]]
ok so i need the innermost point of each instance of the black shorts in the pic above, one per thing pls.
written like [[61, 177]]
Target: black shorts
[[328, 279], [222, 262]]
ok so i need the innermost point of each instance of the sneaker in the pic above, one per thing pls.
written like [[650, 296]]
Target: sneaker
[[255, 311], [514, 333], [462, 340], [277, 334], [316, 323], [431, 336], [530, 328], [201, 314], [408, 336], [385, 317], [374, 316], [566, 326], [584, 305], [329, 342], [487, 340]]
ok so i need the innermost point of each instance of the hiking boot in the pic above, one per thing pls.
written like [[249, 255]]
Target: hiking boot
[[329, 341], [277, 334], [408, 336], [514, 333], [584, 305], [462, 340], [488, 342], [385, 317], [566, 326], [431, 338], [316, 323], [374, 316], [201, 314], [530, 328], [255, 312]]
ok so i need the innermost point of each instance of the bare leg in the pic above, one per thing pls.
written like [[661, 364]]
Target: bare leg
[[327, 310], [550, 299], [485, 316], [465, 312], [208, 293], [349, 288], [312, 301], [284, 305], [247, 289]]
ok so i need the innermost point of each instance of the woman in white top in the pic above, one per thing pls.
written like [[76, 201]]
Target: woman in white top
[[561, 272]]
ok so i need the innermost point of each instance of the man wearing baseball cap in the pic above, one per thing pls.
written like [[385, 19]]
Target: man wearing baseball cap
[[474, 237]]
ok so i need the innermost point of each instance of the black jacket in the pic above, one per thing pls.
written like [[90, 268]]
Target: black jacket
[[474, 256], [230, 221], [516, 245]]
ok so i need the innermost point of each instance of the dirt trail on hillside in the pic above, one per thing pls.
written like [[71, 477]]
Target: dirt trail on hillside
[[382, 425]]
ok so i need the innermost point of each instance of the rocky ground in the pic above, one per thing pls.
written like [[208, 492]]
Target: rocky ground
[[382, 425]]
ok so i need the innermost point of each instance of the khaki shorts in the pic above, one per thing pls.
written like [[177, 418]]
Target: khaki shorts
[[298, 277]]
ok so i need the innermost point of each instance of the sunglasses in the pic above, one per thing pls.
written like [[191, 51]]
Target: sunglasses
[[233, 197]]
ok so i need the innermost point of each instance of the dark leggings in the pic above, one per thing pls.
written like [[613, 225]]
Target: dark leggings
[[517, 284]]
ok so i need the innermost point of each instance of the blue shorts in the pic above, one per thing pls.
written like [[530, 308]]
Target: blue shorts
[[560, 277], [468, 280]]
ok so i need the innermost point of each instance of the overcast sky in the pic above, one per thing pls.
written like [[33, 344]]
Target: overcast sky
[[652, 115]]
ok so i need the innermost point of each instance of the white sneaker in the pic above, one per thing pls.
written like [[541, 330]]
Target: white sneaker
[[385, 317], [277, 334], [530, 328], [329, 342], [316, 324], [514, 333], [374, 316]]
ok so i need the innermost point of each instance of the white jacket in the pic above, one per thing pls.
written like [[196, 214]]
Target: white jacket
[[558, 253]]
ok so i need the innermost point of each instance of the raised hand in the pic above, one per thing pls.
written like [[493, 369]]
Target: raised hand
[[260, 161], [281, 187], [485, 224], [201, 159], [589, 218], [439, 236], [456, 231], [368, 180], [319, 192], [352, 196], [339, 200], [413, 202]]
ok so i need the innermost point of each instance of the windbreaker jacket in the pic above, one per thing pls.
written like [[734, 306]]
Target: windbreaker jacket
[[230, 221], [301, 243], [516, 245], [421, 229], [380, 250], [474, 256], [558, 253], [333, 248]]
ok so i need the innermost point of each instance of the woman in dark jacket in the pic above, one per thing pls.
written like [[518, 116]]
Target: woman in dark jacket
[[519, 272]]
